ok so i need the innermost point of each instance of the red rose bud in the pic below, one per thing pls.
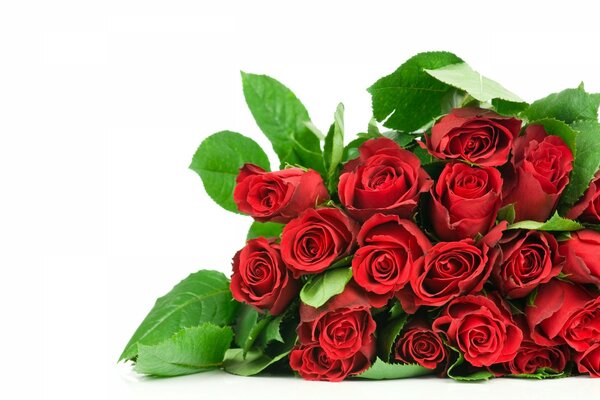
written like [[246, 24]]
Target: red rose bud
[[313, 363], [564, 312], [525, 259], [384, 179], [448, 270], [540, 172], [314, 240], [588, 362], [582, 263], [481, 328], [419, 344], [587, 209], [342, 327], [277, 196], [389, 248], [465, 201], [475, 135], [261, 279]]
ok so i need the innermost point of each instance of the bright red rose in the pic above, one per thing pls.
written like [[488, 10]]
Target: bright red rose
[[587, 209], [475, 135], [539, 173], [419, 344], [342, 327], [277, 196], [564, 312], [261, 279], [318, 237], [525, 259], [313, 363], [465, 201], [589, 361], [389, 248], [384, 179], [481, 328], [582, 263], [448, 270]]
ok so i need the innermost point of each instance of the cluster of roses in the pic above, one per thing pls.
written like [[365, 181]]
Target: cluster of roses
[[511, 301]]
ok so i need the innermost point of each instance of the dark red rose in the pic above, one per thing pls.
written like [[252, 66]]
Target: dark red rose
[[314, 240], [525, 259], [277, 196], [342, 327], [313, 363], [448, 270], [419, 344], [465, 201], [481, 328], [588, 362], [539, 173], [587, 209], [389, 248], [475, 135], [582, 263], [384, 179], [261, 279], [564, 312]]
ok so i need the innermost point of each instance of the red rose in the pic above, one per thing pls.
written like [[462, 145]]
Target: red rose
[[342, 327], [277, 196], [389, 247], [582, 263], [384, 179], [261, 279], [564, 312], [524, 260], [589, 361], [313, 363], [314, 240], [465, 201], [481, 328], [587, 209], [475, 135], [448, 270], [540, 172], [419, 344]]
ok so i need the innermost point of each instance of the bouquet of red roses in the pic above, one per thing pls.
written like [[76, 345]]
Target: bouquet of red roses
[[459, 242]]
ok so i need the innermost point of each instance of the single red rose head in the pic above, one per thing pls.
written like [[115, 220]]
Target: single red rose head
[[589, 361], [482, 329], [524, 260], [313, 363], [582, 263], [465, 201], [475, 135], [539, 173], [317, 238], [419, 344], [261, 279], [587, 209], [277, 196], [384, 179]]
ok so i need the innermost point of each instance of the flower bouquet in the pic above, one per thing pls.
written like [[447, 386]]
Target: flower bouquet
[[457, 236]]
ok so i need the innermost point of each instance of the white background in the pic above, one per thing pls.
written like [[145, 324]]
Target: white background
[[102, 105]]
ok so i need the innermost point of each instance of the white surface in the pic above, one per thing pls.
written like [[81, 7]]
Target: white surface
[[102, 105]]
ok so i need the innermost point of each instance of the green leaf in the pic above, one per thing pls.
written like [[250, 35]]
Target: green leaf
[[203, 296], [409, 98], [282, 118], [245, 322], [322, 287], [543, 373], [460, 370], [382, 370], [334, 143], [387, 337], [569, 106], [272, 332], [218, 161], [264, 229], [507, 213], [351, 149], [560, 129], [587, 161], [196, 349], [462, 76], [254, 362], [508, 107], [556, 223], [402, 138]]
